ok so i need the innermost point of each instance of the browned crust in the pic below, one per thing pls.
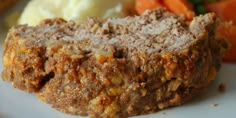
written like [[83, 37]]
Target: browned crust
[[106, 80]]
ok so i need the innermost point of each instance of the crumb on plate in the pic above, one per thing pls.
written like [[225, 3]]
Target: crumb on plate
[[221, 87], [214, 105]]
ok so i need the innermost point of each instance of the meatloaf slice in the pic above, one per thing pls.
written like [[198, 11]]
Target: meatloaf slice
[[118, 67]]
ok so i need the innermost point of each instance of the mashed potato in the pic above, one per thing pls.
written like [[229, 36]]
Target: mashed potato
[[77, 10]]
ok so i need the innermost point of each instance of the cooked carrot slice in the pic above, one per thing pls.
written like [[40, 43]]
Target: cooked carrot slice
[[142, 5], [225, 9], [180, 7], [228, 31]]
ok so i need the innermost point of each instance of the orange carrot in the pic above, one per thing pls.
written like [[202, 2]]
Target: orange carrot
[[225, 9], [142, 5], [228, 31], [180, 7]]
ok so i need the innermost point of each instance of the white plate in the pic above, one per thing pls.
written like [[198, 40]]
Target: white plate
[[17, 104]]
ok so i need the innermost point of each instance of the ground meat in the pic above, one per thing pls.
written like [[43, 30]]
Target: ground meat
[[118, 67]]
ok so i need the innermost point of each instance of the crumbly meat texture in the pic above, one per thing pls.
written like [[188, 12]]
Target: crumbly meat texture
[[116, 67]]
